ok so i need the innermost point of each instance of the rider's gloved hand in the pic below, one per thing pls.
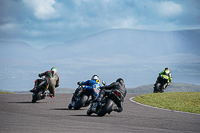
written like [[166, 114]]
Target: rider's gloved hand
[[39, 75], [56, 85], [78, 83], [102, 87]]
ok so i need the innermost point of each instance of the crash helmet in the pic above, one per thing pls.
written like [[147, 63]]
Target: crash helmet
[[167, 70], [54, 69], [95, 77], [120, 80]]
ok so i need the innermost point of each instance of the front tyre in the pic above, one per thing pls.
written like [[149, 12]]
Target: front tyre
[[89, 111], [70, 106], [157, 88]]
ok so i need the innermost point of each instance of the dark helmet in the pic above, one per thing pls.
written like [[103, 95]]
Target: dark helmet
[[167, 68], [120, 80]]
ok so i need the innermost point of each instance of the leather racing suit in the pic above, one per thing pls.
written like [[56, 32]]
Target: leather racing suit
[[114, 86], [52, 79]]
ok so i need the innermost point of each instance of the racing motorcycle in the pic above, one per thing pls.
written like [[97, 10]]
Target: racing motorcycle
[[82, 100], [41, 91], [106, 104], [160, 85]]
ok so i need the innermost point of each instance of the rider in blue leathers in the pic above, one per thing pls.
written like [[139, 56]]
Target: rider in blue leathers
[[92, 85]]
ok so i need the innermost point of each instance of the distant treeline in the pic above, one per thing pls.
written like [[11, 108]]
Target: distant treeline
[[146, 89], [173, 87]]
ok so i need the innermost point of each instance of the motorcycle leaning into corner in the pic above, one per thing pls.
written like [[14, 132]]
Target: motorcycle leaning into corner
[[160, 85], [81, 100], [107, 102], [41, 91]]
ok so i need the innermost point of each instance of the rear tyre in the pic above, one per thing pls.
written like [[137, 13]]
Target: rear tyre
[[37, 96], [105, 109], [81, 102]]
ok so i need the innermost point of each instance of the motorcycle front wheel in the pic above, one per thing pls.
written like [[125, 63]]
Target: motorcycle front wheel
[[89, 111], [157, 88]]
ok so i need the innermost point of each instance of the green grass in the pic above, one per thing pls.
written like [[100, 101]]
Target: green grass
[[6, 93], [179, 101]]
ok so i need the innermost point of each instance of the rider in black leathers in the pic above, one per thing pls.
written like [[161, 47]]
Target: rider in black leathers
[[118, 85]]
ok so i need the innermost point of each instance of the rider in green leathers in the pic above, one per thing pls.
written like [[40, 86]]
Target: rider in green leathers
[[166, 75]]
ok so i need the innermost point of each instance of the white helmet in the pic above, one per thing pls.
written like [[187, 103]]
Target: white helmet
[[95, 77], [54, 69]]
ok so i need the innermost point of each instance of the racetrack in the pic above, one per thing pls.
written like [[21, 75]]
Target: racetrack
[[19, 115]]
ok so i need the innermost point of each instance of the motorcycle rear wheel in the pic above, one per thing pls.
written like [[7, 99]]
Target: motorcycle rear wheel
[[37, 96], [105, 109], [81, 102]]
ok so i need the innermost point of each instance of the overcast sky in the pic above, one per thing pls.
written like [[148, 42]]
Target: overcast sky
[[46, 22]]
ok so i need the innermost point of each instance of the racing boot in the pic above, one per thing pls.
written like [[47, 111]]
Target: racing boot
[[50, 95], [94, 107], [35, 86], [117, 109], [34, 89], [163, 88]]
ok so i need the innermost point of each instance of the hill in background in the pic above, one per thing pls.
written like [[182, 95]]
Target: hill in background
[[135, 55], [173, 87], [145, 89]]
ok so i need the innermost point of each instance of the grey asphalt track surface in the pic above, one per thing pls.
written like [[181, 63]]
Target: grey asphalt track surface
[[19, 115]]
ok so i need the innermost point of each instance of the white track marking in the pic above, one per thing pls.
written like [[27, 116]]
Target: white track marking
[[131, 99]]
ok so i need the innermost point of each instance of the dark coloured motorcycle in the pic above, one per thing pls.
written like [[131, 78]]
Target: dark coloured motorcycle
[[40, 92], [106, 104], [81, 100], [160, 85]]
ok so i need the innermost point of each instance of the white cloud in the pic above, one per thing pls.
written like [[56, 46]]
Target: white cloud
[[43, 9], [123, 23], [78, 18], [8, 26], [169, 8]]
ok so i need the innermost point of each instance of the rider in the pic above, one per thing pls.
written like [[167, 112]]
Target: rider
[[166, 74], [92, 85], [52, 79], [118, 85]]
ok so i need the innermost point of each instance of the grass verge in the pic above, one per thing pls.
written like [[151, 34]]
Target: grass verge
[[6, 93], [179, 101]]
